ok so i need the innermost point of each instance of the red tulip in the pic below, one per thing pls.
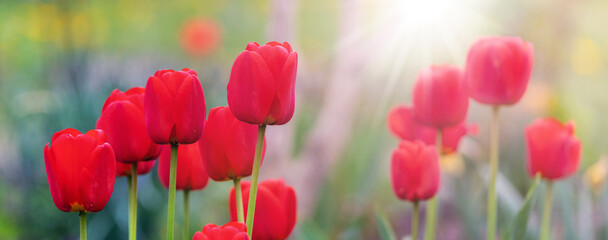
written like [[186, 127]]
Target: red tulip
[[262, 84], [200, 36], [498, 69], [191, 174], [230, 231], [174, 107], [124, 169], [122, 119], [415, 171], [439, 97], [553, 150], [228, 145], [275, 212], [80, 169], [402, 124]]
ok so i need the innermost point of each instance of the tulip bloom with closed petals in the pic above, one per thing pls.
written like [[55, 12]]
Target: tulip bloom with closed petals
[[228, 145], [439, 98], [174, 107], [553, 150], [191, 174], [122, 119], [81, 169], [230, 231], [262, 84], [498, 69], [402, 123], [275, 214], [415, 171], [124, 169]]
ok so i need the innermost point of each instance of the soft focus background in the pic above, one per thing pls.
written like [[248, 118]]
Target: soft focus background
[[60, 59]]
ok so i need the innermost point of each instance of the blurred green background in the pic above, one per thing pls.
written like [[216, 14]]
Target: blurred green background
[[60, 59]]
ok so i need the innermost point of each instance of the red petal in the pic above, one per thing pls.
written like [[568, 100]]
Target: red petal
[[189, 110], [158, 111], [97, 178]]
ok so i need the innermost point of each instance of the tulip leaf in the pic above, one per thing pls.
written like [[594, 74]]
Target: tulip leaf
[[520, 222], [385, 230]]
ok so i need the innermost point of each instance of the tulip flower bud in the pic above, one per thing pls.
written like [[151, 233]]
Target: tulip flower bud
[[122, 119], [228, 145], [262, 84], [498, 69], [174, 107], [439, 98], [275, 214], [191, 174], [230, 231], [80, 169], [124, 169], [553, 150], [415, 171], [402, 123]]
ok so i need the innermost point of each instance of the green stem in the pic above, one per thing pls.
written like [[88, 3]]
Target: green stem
[[546, 225], [491, 231], [253, 191], [172, 184], [415, 221], [133, 202], [239, 200], [186, 214], [433, 204], [83, 225]]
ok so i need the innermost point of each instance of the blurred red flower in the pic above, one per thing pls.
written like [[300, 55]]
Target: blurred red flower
[[80, 169], [402, 123], [275, 211], [439, 97], [262, 84], [553, 150], [498, 69], [415, 171], [200, 36]]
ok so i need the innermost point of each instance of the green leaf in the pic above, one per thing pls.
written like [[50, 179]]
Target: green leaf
[[520, 222], [384, 226]]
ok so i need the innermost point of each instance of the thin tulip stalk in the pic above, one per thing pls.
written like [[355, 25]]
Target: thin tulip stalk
[[83, 225], [172, 185], [432, 205], [491, 228], [415, 221], [186, 214], [254, 178], [133, 202], [546, 224], [239, 200]]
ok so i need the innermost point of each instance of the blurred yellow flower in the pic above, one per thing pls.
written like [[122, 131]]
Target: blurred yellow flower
[[42, 22], [595, 176], [452, 164], [586, 56]]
